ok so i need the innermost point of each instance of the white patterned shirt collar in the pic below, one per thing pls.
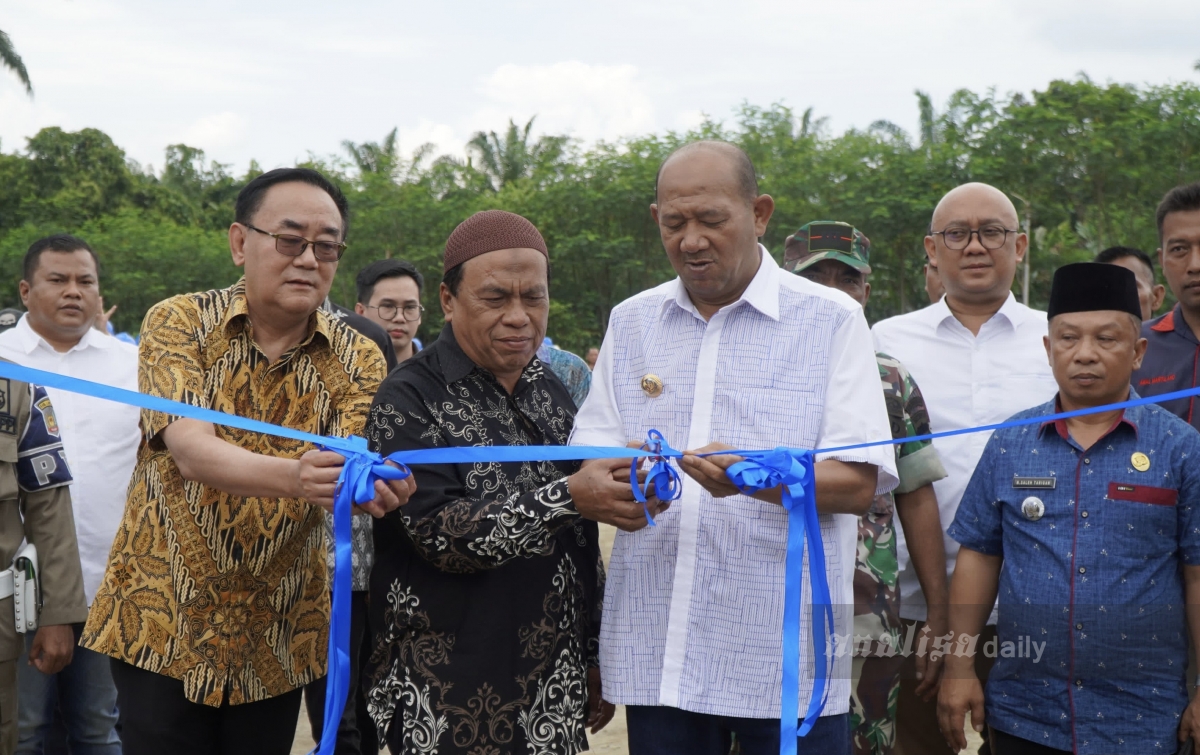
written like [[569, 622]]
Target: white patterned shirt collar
[[762, 293]]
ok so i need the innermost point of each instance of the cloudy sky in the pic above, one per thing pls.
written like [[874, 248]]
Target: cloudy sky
[[276, 80]]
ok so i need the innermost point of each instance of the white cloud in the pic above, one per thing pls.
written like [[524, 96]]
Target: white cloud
[[443, 136], [587, 101], [215, 131]]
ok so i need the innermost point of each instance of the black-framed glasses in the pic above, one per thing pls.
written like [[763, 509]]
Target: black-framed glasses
[[412, 312], [290, 245], [992, 237]]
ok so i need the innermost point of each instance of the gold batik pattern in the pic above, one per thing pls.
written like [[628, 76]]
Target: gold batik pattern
[[229, 594]]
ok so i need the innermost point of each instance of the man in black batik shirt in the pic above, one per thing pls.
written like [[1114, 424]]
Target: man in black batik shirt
[[486, 593]]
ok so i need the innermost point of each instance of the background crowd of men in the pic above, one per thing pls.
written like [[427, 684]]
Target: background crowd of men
[[1044, 578]]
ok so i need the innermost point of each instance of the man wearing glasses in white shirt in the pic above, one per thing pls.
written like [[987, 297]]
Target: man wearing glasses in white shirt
[[61, 289], [978, 356]]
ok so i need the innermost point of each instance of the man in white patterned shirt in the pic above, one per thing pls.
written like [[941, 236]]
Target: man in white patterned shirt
[[735, 352]]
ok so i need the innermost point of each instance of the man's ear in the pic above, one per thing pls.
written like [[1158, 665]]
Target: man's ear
[[448, 301], [359, 309], [1157, 294], [23, 289], [866, 294], [764, 207], [931, 250], [1022, 246], [654, 212], [1139, 352], [237, 244]]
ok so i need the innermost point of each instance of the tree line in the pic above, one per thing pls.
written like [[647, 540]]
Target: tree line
[[1086, 163]]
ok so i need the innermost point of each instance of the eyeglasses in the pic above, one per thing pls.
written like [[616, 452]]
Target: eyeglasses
[[294, 246], [992, 237], [412, 312]]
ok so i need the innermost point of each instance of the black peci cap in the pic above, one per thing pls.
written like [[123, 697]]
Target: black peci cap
[[1091, 287]]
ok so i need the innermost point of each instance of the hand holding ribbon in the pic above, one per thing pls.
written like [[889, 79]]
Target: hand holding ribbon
[[662, 481]]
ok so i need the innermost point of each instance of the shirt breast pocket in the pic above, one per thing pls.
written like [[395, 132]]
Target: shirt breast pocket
[[1144, 516], [1155, 496]]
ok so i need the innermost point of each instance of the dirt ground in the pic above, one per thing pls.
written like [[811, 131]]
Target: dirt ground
[[613, 740]]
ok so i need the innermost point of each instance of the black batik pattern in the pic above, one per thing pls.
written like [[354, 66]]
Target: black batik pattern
[[486, 593]]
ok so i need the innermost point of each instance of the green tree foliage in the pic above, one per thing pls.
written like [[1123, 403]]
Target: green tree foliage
[[508, 160], [1085, 162], [12, 61]]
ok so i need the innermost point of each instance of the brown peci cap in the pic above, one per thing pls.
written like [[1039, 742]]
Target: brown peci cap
[[489, 231]]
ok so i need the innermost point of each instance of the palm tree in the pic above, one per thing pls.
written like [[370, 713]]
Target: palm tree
[[513, 157], [371, 157], [383, 158], [10, 59], [928, 119]]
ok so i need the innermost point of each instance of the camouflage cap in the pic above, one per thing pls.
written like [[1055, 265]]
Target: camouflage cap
[[827, 240]]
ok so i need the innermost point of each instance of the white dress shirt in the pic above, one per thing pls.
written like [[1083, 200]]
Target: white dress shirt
[[693, 608], [967, 381], [100, 437]]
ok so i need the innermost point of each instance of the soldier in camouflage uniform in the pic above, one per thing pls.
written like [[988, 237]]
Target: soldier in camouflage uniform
[[837, 255]]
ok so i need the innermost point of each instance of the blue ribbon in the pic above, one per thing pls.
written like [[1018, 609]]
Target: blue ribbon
[[356, 485], [792, 471], [662, 481]]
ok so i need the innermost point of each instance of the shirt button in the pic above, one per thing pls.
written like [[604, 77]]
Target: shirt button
[[1087, 461], [1083, 514], [1079, 683], [1083, 570], [1079, 626]]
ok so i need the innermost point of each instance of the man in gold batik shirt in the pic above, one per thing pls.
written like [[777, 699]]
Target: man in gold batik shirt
[[215, 604]]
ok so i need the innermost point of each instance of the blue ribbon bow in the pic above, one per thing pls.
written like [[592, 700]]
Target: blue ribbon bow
[[662, 478], [793, 471]]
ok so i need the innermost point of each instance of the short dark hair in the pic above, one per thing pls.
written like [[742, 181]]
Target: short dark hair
[[747, 177], [59, 242], [452, 278], [1114, 253], [250, 198], [1184, 198], [376, 271]]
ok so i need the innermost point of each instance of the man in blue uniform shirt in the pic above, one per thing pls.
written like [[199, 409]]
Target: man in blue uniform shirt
[[1173, 350], [1088, 530]]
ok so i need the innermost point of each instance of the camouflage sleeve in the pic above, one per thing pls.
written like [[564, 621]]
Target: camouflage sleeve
[[918, 462]]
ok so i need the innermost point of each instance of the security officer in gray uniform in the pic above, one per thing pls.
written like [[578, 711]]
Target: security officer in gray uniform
[[35, 506]]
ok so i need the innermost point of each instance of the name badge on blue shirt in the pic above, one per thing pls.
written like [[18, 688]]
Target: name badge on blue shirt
[[1033, 483]]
